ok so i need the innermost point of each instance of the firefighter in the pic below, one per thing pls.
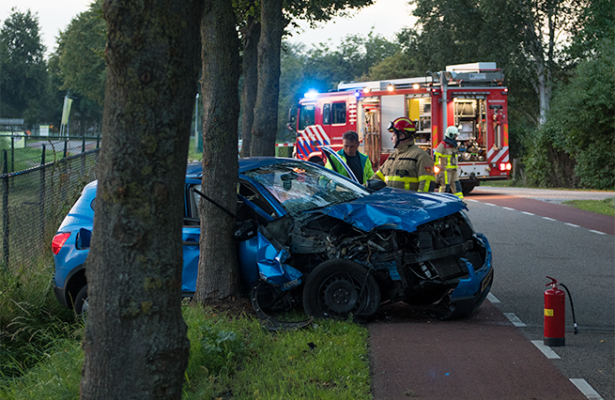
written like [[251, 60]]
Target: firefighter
[[408, 167], [446, 161], [358, 162]]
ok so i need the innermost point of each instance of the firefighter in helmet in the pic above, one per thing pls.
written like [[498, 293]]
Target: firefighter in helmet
[[408, 167], [446, 162]]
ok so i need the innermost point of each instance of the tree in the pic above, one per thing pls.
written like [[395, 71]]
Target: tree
[[218, 274], [23, 78], [135, 339], [265, 124], [81, 63], [251, 36], [267, 98]]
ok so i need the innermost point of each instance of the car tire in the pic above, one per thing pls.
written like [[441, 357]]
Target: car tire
[[340, 288], [81, 302]]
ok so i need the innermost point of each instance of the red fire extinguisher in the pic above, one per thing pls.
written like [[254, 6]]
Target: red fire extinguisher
[[555, 314]]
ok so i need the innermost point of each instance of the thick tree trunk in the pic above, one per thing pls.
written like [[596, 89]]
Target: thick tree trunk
[[218, 277], [251, 36], [135, 339], [265, 124]]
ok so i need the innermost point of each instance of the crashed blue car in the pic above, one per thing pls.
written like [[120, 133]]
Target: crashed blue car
[[308, 237]]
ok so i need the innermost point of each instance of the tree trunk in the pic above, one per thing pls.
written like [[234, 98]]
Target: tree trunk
[[135, 339], [265, 125], [251, 36], [218, 277]]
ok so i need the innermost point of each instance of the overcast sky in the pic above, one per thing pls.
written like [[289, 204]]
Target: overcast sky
[[386, 17]]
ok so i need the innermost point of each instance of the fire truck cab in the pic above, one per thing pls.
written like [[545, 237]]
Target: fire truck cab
[[470, 96]]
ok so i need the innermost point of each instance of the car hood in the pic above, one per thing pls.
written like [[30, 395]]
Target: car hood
[[394, 209]]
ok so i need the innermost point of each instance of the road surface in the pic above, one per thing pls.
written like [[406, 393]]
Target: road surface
[[498, 353]]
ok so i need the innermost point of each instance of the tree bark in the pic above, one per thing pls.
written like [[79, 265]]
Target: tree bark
[[265, 124], [251, 36], [135, 338], [218, 277]]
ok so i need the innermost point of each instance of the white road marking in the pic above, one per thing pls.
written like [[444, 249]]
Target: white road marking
[[508, 208], [489, 204], [598, 232], [548, 219], [586, 389], [514, 319], [527, 213], [573, 225], [492, 298], [546, 350]]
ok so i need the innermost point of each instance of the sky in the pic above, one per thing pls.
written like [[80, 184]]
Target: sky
[[386, 17]]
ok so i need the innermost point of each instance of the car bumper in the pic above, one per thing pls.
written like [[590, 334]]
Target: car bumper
[[471, 291]]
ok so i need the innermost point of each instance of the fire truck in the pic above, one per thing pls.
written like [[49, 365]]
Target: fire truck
[[470, 96]]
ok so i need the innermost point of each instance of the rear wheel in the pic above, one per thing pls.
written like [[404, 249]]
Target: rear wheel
[[339, 288], [81, 302]]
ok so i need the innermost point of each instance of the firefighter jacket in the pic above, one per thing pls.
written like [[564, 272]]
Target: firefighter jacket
[[408, 167], [446, 160], [366, 165]]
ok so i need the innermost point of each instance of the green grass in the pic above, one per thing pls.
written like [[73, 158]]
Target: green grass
[[231, 356], [606, 206]]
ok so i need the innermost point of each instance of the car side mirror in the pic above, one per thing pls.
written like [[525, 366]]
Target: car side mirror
[[374, 185]]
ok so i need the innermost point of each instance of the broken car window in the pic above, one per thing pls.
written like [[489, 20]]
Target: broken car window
[[302, 187]]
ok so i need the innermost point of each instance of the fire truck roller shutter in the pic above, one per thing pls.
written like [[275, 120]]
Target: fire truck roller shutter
[[391, 108]]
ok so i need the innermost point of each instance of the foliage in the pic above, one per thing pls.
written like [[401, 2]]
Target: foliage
[[231, 356], [78, 66], [23, 78], [578, 134]]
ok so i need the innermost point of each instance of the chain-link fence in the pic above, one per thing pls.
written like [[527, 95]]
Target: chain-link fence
[[42, 177]]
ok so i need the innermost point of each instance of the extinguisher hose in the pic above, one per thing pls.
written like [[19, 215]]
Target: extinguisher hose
[[574, 320]]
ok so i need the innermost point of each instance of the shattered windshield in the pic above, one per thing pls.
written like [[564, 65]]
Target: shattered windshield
[[302, 187]]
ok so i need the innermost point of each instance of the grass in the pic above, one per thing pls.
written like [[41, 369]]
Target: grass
[[231, 356], [606, 206]]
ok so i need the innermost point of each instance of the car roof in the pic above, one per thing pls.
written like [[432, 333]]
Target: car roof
[[195, 169]]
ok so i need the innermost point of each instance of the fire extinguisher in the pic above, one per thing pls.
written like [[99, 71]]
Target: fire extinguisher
[[555, 314]]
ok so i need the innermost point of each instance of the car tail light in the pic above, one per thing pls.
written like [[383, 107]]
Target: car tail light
[[58, 241]]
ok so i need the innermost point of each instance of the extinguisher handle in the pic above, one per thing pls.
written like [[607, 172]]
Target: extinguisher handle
[[553, 282]]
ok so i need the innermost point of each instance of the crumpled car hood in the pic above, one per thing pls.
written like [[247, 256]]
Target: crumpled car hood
[[394, 209]]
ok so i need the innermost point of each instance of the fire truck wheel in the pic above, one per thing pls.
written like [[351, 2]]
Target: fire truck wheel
[[339, 288]]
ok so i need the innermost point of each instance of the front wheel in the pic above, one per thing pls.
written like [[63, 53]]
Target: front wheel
[[339, 288]]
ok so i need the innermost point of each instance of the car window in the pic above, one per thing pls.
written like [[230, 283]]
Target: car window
[[301, 187], [339, 113]]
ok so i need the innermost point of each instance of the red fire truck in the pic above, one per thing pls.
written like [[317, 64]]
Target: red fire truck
[[470, 96]]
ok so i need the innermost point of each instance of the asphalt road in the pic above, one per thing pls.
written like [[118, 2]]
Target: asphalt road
[[498, 353], [531, 238]]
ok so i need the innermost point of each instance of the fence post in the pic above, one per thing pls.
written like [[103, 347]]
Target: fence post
[[98, 140], [12, 153], [42, 197], [83, 144], [5, 213], [65, 148]]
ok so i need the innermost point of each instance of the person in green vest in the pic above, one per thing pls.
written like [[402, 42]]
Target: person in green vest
[[358, 162]]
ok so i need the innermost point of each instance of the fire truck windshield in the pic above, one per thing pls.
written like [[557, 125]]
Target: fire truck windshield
[[306, 116]]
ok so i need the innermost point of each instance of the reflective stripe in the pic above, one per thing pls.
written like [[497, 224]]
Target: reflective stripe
[[428, 179], [406, 180], [380, 175]]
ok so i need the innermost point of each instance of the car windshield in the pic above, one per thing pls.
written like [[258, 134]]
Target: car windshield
[[302, 186]]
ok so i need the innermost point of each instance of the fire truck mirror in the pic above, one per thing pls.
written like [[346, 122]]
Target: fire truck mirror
[[292, 115]]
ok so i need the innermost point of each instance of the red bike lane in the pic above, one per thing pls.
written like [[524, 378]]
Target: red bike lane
[[483, 357]]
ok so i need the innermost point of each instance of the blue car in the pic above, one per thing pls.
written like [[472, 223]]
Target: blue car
[[309, 237]]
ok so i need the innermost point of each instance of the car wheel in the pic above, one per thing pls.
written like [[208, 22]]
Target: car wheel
[[339, 288], [81, 302]]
